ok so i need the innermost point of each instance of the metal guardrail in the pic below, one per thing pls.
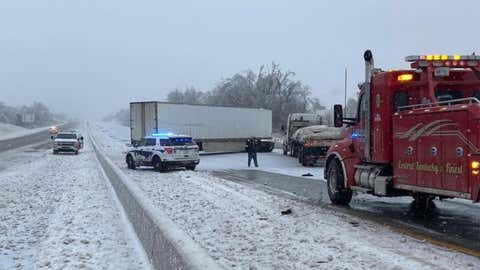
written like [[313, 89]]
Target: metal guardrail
[[166, 245]]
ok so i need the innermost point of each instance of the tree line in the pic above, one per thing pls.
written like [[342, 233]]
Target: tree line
[[35, 115], [268, 88]]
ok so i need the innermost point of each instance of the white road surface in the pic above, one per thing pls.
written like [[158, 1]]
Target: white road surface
[[59, 212]]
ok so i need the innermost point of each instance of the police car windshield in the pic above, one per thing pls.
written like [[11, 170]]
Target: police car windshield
[[148, 142], [180, 141], [66, 136]]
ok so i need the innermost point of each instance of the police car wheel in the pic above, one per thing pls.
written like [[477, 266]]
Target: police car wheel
[[130, 162], [157, 164]]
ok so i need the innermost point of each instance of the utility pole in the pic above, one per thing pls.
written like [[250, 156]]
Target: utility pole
[[345, 101]]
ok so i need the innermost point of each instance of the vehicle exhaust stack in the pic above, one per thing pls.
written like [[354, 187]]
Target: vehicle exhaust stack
[[369, 65]]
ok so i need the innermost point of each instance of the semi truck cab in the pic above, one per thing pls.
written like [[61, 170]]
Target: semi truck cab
[[415, 133]]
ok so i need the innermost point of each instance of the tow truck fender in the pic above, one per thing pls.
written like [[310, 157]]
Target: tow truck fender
[[347, 159]]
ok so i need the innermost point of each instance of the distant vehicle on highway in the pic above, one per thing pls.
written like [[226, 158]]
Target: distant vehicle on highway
[[67, 141], [295, 122], [164, 151], [312, 143]]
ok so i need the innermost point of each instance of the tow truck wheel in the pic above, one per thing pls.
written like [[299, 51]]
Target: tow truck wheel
[[335, 183], [423, 204], [130, 162]]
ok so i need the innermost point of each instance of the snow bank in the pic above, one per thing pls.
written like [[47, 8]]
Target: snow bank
[[168, 247]]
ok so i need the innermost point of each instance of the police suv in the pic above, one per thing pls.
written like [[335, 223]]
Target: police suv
[[163, 151]]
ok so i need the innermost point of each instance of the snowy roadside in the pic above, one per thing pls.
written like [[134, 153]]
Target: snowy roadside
[[9, 131], [243, 228], [58, 212], [115, 137]]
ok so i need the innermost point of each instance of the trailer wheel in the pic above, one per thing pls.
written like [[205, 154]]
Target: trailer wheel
[[130, 162], [337, 191]]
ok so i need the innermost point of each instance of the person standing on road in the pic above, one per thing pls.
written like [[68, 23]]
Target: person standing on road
[[251, 149]]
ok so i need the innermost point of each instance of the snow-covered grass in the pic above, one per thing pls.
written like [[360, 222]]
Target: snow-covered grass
[[58, 212], [243, 227], [8, 131]]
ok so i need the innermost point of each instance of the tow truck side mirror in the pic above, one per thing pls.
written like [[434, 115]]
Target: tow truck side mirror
[[337, 115]]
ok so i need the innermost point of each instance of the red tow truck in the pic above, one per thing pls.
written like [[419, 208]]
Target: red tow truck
[[416, 133]]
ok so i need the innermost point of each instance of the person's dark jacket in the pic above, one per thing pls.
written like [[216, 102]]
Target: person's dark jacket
[[251, 147]]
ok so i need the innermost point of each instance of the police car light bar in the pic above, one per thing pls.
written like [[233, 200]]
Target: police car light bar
[[162, 134]]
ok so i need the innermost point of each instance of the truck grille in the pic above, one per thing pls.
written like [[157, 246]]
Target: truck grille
[[66, 144]]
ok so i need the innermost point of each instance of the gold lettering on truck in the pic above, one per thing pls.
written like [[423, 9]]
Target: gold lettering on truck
[[431, 167], [454, 169]]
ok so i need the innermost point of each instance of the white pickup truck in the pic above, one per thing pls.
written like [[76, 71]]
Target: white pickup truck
[[69, 141]]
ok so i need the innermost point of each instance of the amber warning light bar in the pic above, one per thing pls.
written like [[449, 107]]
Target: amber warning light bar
[[443, 60]]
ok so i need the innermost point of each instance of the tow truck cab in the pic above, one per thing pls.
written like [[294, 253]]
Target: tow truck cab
[[416, 132]]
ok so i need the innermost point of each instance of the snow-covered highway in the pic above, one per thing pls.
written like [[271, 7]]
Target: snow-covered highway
[[242, 226], [59, 212]]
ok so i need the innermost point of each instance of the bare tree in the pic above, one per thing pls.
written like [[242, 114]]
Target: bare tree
[[351, 109], [272, 89]]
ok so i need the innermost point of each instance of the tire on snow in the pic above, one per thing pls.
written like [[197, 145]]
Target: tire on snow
[[335, 183], [130, 162], [158, 164]]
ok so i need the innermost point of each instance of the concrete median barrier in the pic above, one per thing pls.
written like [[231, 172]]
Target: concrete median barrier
[[167, 246]]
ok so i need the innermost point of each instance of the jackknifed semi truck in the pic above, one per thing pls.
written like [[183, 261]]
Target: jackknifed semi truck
[[213, 128]]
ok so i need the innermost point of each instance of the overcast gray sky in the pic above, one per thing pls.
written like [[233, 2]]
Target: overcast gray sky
[[93, 57]]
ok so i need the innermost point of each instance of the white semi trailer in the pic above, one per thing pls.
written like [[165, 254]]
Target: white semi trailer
[[214, 128]]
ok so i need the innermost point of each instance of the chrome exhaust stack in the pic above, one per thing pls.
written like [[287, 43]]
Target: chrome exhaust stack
[[369, 65], [369, 69]]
